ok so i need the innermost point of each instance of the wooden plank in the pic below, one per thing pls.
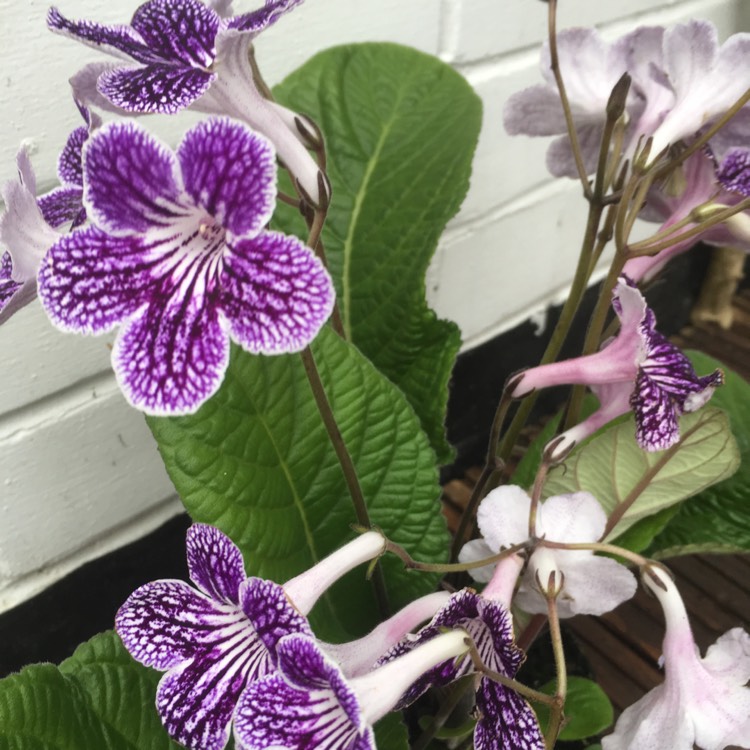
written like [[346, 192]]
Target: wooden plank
[[724, 595], [734, 568]]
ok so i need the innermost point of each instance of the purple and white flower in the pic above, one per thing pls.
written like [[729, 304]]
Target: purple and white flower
[[178, 255], [183, 53], [64, 204], [703, 702], [506, 721], [309, 702], [591, 584], [214, 641], [26, 236], [681, 81], [637, 370], [709, 186]]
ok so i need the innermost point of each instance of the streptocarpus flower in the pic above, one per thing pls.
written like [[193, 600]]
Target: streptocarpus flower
[[182, 53], [506, 721], [178, 254], [681, 81], [64, 204], [592, 584], [703, 702], [27, 237], [215, 640], [638, 369], [309, 703], [709, 186]]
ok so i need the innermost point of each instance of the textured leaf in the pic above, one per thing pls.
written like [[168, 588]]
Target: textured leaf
[[640, 535], [588, 710], [614, 469], [401, 128], [256, 461], [99, 698], [718, 518]]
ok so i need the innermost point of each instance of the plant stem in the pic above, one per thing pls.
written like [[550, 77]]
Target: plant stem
[[491, 465], [345, 461], [558, 703], [536, 493], [647, 248], [611, 549], [412, 564], [509, 682], [555, 68]]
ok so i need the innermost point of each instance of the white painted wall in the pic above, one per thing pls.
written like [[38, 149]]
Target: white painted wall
[[79, 472]]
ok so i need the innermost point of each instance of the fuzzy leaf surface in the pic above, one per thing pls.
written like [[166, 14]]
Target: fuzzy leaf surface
[[400, 129], [256, 461], [613, 468], [717, 519], [98, 698]]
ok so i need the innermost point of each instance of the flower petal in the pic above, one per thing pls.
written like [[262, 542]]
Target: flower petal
[[8, 288], [172, 357], [273, 616], [729, 657], [197, 699], [214, 562], [14, 297], [506, 722], [308, 705], [156, 88], [132, 183], [23, 230], [231, 173], [534, 111], [734, 173], [63, 205], [276, 294], [119, 40], [69, 164], [90, 281], [592, 586], [166, 623], [690, 52], [84, 84], [577, 517], [503, 517], [560, 160], [655, 722], [259, 19], [182, 30], [655, 415], [478, 549]]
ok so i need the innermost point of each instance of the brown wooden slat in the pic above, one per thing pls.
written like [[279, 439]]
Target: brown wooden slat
[[735, 568], [715, 587]]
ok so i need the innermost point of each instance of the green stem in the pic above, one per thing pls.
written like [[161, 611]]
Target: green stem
[[558, 702], [412, 564], [345, 461], [570, 124], [491, 465], [610, 549]]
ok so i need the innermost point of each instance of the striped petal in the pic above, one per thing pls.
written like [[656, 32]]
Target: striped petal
[[215, 563], [309, 705]]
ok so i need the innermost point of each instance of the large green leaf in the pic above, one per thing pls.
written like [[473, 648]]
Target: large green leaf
[[99, 698], [400, 129], [718, 518], [615, 469], [256, 461]]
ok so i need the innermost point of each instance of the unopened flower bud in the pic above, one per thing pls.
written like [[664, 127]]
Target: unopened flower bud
[[618, 98]]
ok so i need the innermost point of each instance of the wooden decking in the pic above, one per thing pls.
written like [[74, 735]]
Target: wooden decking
[[624, 646]]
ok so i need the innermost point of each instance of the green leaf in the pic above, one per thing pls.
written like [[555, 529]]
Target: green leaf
[[718, 518], [528, 466], [99, 698], [640, 535], [588, 710], [400, 128], [256, 461], [614, 469], [391, 734]]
